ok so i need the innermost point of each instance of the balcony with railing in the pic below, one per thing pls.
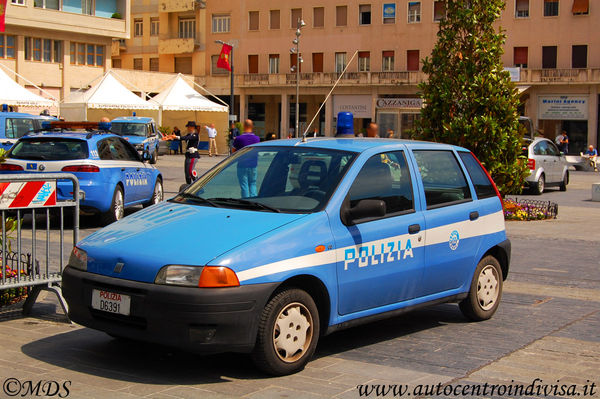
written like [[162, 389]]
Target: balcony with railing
[[180, 5], [329, 78], [178, 45], [561, 75]]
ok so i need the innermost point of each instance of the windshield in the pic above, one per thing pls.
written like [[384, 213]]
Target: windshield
[[49, 149], [128, 129], [272, 179]]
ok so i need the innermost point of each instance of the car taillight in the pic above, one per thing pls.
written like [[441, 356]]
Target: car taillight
[[81, 168], [531, 164], [11, 167]]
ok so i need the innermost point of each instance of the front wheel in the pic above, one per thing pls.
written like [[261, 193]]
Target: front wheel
[[154, 158], [117, 208], [157, 194], [288, 332], [485, 292]]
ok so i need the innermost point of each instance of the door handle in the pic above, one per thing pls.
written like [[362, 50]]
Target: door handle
[[474, 215], [414, 229]]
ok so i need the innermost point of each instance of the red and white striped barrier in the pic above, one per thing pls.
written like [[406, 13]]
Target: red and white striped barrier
[[31, 194]]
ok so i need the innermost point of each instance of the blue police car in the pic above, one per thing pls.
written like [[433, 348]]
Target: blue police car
[[111, 173], [141, 132], [16, 124], [284, 242]]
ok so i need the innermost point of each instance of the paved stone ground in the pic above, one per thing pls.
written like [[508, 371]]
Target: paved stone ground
[[546, 327]]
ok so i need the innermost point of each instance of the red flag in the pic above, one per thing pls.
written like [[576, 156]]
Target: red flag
[[223, 61], [3, 4]]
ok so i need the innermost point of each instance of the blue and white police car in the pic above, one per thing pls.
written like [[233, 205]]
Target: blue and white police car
[[141, 132], [339, 232], [16, 124], [111, 173]]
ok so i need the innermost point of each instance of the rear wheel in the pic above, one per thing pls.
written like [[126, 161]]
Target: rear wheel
[[540, 185], [288, 332], [485, 292], [157, 194], [117, 208], [563, 185]]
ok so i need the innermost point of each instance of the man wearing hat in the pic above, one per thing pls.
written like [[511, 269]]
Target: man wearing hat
[[191, 154], [345, 125]]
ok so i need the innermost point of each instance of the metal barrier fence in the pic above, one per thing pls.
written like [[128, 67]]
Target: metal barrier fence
[[34, 196]]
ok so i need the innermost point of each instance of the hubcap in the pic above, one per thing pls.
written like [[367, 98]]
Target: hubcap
[[292, 334], [158, 193], [119, 205], [488, 287], [541, 184]]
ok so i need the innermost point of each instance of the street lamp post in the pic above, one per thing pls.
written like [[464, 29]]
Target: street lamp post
[[231, 97], [296, 50]]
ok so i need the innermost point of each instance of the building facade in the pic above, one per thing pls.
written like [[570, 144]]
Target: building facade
[[61, 45], [552, 48]]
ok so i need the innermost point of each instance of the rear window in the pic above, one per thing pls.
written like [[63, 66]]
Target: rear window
[[483, 185], [49, 149], [17, 127], [443, 179]]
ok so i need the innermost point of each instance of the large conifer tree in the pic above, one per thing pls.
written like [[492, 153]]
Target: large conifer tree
[[469, 98]]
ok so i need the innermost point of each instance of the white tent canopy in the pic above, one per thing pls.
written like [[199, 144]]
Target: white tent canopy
[[180, 96], [12, 93], [109, 94]]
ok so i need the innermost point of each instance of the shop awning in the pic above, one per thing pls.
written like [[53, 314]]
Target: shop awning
[[522, 89], [581, 6]]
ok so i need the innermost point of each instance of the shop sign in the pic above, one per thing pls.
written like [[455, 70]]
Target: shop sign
[[410, 103], [563, 107], [359, 105]]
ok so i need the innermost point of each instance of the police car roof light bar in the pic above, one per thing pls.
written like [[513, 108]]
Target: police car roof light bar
[[76, 125]]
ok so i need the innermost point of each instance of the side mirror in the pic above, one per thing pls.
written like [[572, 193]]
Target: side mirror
[[366, 208], [146, 156]]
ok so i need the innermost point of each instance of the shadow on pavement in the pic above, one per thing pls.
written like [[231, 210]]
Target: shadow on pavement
[[93, 352]]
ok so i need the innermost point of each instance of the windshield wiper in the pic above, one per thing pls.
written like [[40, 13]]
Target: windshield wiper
[[195, 198], [238, 201]]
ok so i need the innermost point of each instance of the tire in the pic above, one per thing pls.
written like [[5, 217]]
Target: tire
[[157, 194], [154, 158], [563, 185], [294, 311], [485, 292], [117, 208], [540, 185]]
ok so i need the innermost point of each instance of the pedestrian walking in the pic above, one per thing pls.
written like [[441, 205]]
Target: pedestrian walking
[[191, 154], [562, 141], [246, 167], [212, 140]]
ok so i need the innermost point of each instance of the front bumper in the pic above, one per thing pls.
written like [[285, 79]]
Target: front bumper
[[203, 320]]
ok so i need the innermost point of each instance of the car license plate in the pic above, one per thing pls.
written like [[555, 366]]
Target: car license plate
[[111, 302]]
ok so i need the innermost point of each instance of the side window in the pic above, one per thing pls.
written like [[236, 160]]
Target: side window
[[552, 150], [149, 130], [385, 177], [537, 149], [544, 148], [130, 153], [104, 151], [483, 185], [17, 127], [443, 179]]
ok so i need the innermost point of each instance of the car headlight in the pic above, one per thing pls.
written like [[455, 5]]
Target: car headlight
[[197, 276], [78, 259]]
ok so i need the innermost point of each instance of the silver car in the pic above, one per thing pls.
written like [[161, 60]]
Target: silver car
[[547, 165]]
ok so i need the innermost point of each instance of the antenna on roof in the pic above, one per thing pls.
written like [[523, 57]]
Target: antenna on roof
[[327, 97]]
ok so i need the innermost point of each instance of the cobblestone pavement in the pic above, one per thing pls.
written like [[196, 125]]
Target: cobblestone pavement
[[546, 329]]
